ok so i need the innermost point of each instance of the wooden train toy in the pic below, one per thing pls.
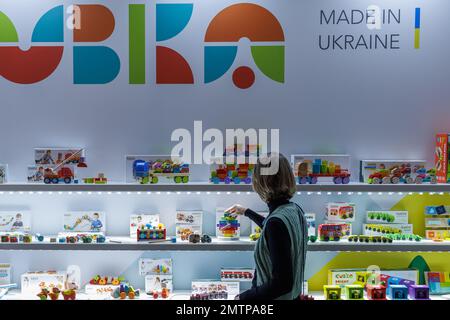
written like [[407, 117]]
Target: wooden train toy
[[151, 171], [369, 239], [403, 174], [232, 173], [310, 172]]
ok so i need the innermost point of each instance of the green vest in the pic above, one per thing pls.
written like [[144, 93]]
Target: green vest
[[293, 217]]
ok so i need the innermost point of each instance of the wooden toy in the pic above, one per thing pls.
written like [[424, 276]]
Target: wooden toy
[[354, 292], [149, 232], [376, 292], [332, 292], [232, 173], [419, 292], [398, 292], [310, 172], [100, 179], [69, 294], [124, 290], [62, 172], [194, 238], [369, 239], [151, 171], [331, 232], [227, 226], [397, 171], [206, 239]]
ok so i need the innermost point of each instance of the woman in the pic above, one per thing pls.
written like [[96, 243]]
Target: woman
[[280, 252]]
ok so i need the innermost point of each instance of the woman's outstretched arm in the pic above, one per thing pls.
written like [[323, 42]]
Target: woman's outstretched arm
[[279, 243], [255, 217]]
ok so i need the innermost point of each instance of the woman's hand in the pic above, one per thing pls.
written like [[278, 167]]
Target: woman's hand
[[237, 209]]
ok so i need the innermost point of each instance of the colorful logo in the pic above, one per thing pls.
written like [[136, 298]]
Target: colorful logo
[[244, 20], [96, 63]]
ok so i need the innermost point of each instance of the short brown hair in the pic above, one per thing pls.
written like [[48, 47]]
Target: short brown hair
[[275, 187]]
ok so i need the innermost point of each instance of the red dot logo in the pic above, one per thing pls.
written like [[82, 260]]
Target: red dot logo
[[243, 77]]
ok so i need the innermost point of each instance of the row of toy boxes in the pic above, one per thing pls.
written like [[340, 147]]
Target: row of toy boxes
[[437, 222], [439, 282]]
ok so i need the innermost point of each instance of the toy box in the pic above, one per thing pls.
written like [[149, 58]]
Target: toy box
[[329, 231], [386, 229], [376, 292], [441, 158], [437, 223], [395, 171], [33, 282], [187, 223], [331, 292], [137, 220], [149, 232], [189, 217], [311, 222], [56, 156], [15, 221], [419, 292], [344, 277], [214, 290], [85, 221], [438, 282], [228, 225], [155, 266], [154, 282], [437, 210], [236, 274], [437, 234], [313, 168], [3, 173], [100, 291], [5, 273], [386, 216], [341, 211], [354, 292], [156, 169], [398, 292]]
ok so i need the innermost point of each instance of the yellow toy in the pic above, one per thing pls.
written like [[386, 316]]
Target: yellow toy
[[332, 292]]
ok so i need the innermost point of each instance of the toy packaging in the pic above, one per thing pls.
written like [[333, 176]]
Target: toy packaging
[[419, 292], [33, 282], [3, 173], [313, 168], [187, 223], [332, 292], [214, 290], [35, 173], [228, 225], [55, 156], [5, 273], [395, 171], [441, 158], [15, 221], [137, 220], [437, 222], [344, 277], [311, 222], [158, 282], [155, 266], [354, 292], [103, 286], [386, 229], [341, 211], [85, 221], [334, 231], [438, 282], [386, 216], [376, 292], [226, 172], [156, 169], [236, 274], [398, 292], [149, 232]]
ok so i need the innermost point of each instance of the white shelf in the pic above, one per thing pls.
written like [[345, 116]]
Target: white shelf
[[207, 187], [245, 244]]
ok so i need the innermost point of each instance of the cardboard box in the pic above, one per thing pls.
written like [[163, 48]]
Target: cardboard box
[[341, 211], [434, 234], [370, 229], [387, 216], [15, 221], [347, 229], [311, 222], [85, 221], [5, 273], [189, 217], [320, 166], [369, 167], [441, 158], [100, 291], [343, 277], [33, 282], [439, 282], [55, 156], [215, 289], [137, 220], [437, 222], [155, 266], [156, 283]]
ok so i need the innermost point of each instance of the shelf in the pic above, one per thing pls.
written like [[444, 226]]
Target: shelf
[[396, 246], [207, 187], [126, 244]]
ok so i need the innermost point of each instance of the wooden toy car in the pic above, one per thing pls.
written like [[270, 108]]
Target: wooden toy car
[[354, 292], [150, 171], [308, 172], [376, 292], [332, 292]]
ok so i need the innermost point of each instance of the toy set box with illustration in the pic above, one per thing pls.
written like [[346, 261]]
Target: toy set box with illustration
[[158, 276], [139, 220], [214, 290], [154, 169], [314, 168], [187, 223], [396, 171]]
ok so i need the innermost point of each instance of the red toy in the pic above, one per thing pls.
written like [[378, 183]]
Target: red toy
[[332, 232], [376, 292]]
